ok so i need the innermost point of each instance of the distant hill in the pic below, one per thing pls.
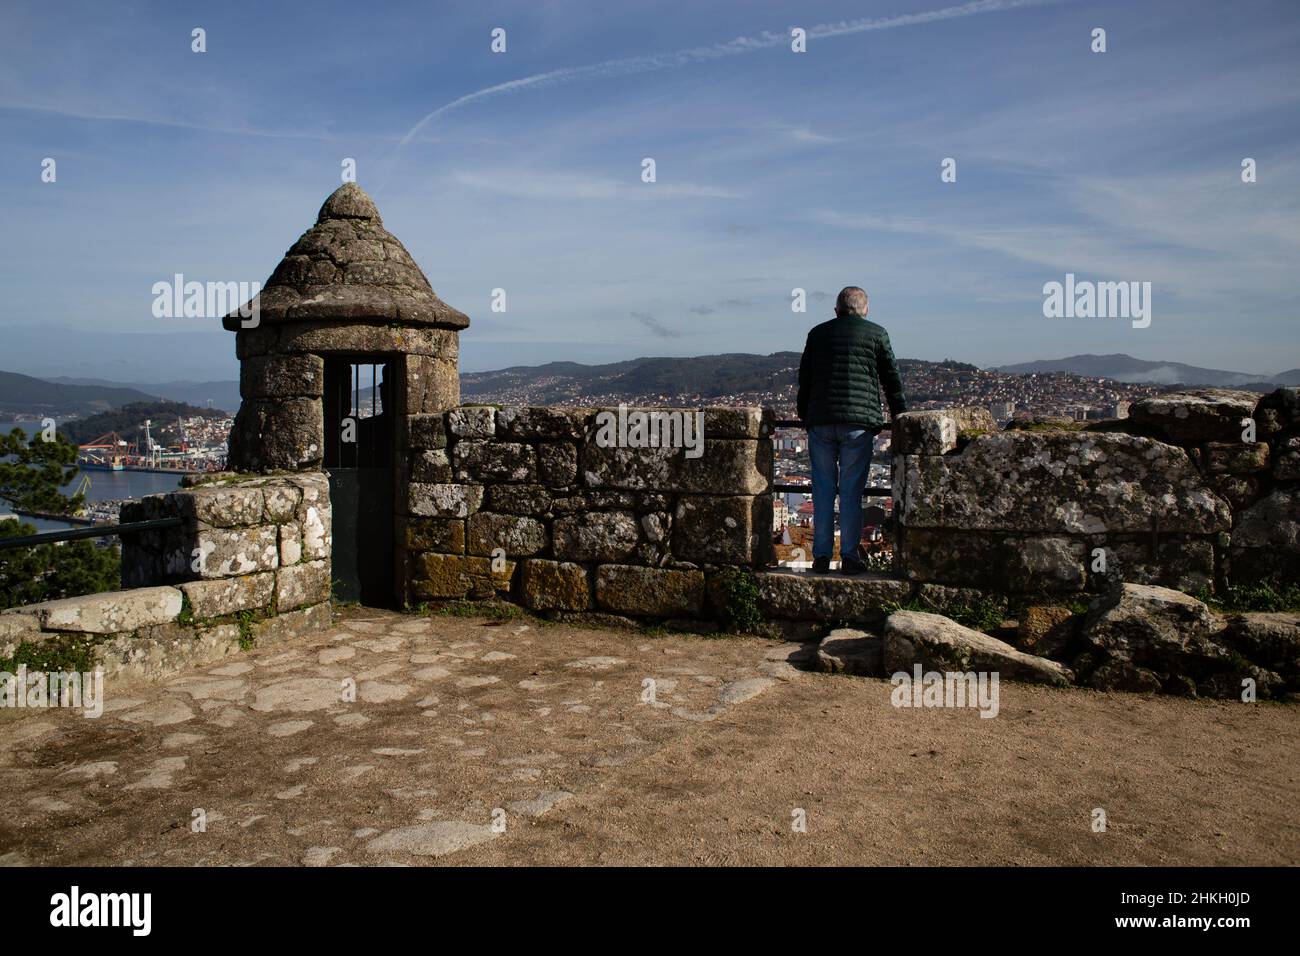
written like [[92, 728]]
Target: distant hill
[[704, 377], [128, 419], [219, 395], [1126, 368], [24, 395], [708, 376]]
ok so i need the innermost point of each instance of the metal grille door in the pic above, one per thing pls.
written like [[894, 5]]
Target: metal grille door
[[360, 420]]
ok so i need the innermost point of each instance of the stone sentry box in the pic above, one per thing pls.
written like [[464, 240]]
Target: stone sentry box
[[574, 526], [348, 291]]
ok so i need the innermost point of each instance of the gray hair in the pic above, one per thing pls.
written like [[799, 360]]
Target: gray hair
[[851, 301]]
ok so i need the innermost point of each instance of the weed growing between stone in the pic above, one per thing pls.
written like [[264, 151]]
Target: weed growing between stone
[[71, 654], [1252, 597], [739, 611], [493, 610]]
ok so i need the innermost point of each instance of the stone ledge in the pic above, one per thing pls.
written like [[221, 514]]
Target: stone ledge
[[109, 612], [830, 599]]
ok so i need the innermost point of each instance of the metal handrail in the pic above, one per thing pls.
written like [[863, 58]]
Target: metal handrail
[[797, 423], [96, 531], [875, 491]]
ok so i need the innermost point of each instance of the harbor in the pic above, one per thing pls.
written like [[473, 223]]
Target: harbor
[[112, 452], [106, 480]]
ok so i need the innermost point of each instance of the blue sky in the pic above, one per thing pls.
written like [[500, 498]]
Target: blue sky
[[775, 170]]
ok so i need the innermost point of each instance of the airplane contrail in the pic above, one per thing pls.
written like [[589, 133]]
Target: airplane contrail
[[701, 54]]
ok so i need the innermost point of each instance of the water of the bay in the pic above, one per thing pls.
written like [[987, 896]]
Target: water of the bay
[[104, 485]]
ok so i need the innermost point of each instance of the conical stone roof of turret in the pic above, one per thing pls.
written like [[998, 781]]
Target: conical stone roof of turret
[[349, 269]]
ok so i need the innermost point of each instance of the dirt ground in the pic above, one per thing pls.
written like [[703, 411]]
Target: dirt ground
[[475, 742]]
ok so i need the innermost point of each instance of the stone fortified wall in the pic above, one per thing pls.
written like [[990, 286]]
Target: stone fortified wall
[[525, 502], [1194, 490], [250, 564]]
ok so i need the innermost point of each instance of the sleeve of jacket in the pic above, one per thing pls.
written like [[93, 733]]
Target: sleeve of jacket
[[890, 380], [805, 378]]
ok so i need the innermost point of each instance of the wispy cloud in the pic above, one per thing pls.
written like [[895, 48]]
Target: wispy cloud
[[1201, 232], [801, 134], [110, 116], [565, 187], [725, 304], [628, 66], [655, 327]]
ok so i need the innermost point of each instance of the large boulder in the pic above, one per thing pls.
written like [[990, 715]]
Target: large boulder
[[1269, 639], [472, 421], [443, 500], [493, 461], [434, 534], [222, 596], [557, 464], [738, 421], [302, 585], [939, 643], [1153, 626], [1144, 638], [512, 534], [446, 576], [540, 423]]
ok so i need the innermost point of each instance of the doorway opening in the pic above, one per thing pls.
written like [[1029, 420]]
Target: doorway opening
[[360, 431]]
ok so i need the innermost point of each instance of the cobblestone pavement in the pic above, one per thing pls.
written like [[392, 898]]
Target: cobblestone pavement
[[479, 742], [459, 729]]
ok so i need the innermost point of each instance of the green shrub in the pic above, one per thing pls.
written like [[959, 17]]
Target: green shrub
[[738, 613], [1252, 597], [985, 614], [48, 572]]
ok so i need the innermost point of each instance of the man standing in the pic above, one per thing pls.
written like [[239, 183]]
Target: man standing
[[845, 364]]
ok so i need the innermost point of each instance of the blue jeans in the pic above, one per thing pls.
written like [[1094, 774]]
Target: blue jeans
[[841, 459]]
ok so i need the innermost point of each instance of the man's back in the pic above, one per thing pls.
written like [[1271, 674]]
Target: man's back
[[846, 362]]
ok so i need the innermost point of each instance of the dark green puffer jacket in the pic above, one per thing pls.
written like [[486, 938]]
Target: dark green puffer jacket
[[846, 362]]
